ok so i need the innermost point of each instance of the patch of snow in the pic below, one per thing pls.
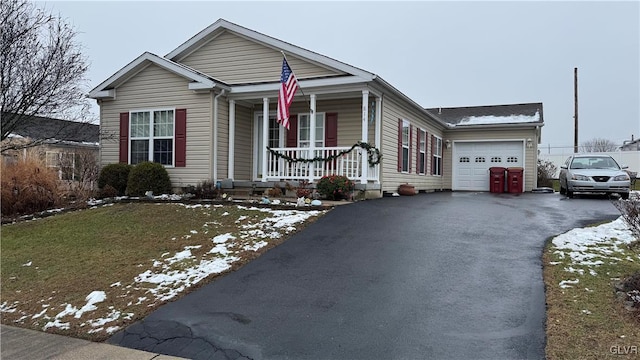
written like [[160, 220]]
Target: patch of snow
[[225, 213], [173, 197], [221, 239], [92, 299], [27, 263], [56, 323], [256, 246], [492, 119], [116, 284], [220, 249], [193, 231], [567, 283]]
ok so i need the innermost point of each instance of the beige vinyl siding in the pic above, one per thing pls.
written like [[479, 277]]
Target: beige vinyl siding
[[234, 59], [243, 159], [154, 88], [391, 178], [530, 160], [223, 138]]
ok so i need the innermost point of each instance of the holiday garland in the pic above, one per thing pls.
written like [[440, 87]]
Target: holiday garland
[[373, 154]]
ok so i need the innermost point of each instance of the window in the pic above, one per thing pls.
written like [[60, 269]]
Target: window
[[436, 164], [512, 159], [152, 136], [464, 159], [480, 159], [304, 130], [422, 151], [405, 146], [496, 159], [65, 164]]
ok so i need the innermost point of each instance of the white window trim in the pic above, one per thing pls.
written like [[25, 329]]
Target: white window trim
[[151, 137], [406, 124], [422, 140], [438, 150]]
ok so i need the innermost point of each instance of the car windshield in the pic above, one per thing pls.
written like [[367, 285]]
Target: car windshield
[[594, 163]]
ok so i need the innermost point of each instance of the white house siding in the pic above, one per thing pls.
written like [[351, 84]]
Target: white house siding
[[392, 110], [530, 161], [152, 88], [234, 59], [243, 159]]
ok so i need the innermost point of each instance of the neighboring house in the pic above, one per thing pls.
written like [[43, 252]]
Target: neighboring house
[[207, 110], [631, 145], [63, 145]]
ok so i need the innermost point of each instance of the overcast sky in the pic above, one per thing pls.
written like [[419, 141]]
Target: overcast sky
[[440, 54]]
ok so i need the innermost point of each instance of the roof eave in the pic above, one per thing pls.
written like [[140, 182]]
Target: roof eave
[[497, 126]]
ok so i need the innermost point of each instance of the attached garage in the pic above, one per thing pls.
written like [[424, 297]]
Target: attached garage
[[472, 160]]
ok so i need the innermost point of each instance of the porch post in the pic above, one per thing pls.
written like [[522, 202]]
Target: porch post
[[365, 135], [232, 137], [312, 135], [378, 129], [265, 136]]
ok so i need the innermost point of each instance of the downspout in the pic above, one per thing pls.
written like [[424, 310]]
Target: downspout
[[214, 173]]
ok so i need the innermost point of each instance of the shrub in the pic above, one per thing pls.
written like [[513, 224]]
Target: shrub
[[107, 192], [630, 210], [28, 186], [274, 192], [335, 187], [546, 172], [148, 176], [303, 190], [116, 176], [205, 190]]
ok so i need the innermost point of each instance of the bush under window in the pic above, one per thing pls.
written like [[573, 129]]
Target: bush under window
[[335, 187], [148, 176], [116, 176]]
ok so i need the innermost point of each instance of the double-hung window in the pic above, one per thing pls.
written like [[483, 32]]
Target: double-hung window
[[304, 130], [405, 146], [422, 159], [64, 163], [436, 167], [152, 136]]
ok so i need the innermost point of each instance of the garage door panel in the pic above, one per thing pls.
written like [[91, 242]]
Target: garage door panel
[[473, 160]]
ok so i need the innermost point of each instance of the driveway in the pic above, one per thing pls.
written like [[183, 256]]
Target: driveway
[[438, 276]]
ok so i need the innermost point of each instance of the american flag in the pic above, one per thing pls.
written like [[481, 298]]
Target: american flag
[[288, 87]]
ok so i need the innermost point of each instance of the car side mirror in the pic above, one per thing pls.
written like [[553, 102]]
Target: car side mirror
[[563, 166]]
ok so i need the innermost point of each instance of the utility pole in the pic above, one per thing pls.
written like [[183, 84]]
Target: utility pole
[[575, 110]]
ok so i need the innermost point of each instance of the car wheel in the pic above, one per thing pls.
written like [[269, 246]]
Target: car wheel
[[562, 190], [624, 196]]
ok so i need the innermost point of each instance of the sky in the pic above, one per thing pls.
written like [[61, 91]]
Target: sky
[[440, 54]]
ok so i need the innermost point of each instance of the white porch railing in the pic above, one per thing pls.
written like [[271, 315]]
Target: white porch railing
[[349, 164]]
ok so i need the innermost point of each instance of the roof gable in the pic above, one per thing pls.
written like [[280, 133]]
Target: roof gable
[[220, 26], [503, 115], [199, 81]]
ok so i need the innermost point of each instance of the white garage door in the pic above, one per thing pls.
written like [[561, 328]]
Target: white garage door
[[472, 160]]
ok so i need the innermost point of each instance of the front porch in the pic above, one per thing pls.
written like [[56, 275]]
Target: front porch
[[337, 120]]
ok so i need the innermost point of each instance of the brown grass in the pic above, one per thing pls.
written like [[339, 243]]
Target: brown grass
[[607, 331], [28, 186]]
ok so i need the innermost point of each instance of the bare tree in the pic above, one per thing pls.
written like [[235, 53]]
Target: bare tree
[[598, 145], [42, 69]]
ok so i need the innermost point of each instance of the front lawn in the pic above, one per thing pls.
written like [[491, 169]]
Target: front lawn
[[90, 273], [586, 318]]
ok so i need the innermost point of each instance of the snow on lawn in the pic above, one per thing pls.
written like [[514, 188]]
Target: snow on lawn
[[165, 278], [588, 248]]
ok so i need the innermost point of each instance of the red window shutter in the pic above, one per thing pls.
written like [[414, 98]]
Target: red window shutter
[[124, 137], [181, 138], [292, 133], [410, 143], [331, 130], [399, 145]]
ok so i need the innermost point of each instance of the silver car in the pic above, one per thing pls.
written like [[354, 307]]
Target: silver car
[[593, 174]]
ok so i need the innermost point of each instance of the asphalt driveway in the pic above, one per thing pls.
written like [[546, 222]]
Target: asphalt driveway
[[438, 276]]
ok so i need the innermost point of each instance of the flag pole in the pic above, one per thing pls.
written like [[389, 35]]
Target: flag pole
[[299, 87]]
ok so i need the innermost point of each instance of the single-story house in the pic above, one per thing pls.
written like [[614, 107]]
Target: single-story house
[[207, 111], [65, 146]]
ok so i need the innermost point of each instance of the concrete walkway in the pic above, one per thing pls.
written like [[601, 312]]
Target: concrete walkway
[[18, 343]]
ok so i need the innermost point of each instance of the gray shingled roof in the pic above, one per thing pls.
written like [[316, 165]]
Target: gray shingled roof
[[44, 128], [530, 113]]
